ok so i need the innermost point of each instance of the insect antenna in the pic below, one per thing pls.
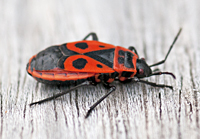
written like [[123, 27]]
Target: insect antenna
[[159, 73], [163, 61]]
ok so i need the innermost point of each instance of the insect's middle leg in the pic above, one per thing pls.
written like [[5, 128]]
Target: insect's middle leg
[[112, 89], [105, 79]]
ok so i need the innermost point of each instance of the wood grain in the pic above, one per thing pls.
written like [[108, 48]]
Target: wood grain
[[134, 111]]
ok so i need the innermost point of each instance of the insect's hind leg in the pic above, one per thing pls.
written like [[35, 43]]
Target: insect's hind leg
[[86, 83], [94, 36]]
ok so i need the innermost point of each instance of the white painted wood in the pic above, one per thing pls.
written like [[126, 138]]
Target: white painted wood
[[134, 110]]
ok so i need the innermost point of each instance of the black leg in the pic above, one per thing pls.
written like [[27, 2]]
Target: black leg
[[87, 83], [94, 36], [133, 49], [152, 84], [112, 88]]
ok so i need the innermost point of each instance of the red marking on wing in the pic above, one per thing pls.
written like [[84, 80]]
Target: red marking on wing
[[92, 46], [90, 66]]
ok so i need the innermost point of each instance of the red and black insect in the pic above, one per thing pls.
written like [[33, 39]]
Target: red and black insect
[[89, 62]]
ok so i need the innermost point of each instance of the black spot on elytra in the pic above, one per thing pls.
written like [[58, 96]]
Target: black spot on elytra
[[101, 46], [120, 60], [81, 45], [79, 63], [99, 66], [121, 52]]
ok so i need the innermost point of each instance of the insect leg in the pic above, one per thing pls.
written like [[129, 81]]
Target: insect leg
[[152, 84], [94, 36], [86, 83], [133, 49], [112, 88]]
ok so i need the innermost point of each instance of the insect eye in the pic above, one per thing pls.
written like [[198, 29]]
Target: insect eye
[[141, 71], [143, 59]]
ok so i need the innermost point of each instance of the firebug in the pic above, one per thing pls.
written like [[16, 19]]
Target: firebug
[[89, 62]]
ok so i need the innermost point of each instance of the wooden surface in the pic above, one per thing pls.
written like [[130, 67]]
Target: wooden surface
[[135, 111]]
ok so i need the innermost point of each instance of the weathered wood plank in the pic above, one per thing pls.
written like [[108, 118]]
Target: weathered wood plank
[[134, 110]]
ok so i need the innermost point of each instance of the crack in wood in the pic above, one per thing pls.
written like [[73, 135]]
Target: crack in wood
[[18, 84], [66, 122], [195, 95], [145, 109], [179, 116], [55, 111], [24, 111], [76, 102]]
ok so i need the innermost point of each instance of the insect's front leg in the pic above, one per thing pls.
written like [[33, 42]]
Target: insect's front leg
[[133, 49]]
